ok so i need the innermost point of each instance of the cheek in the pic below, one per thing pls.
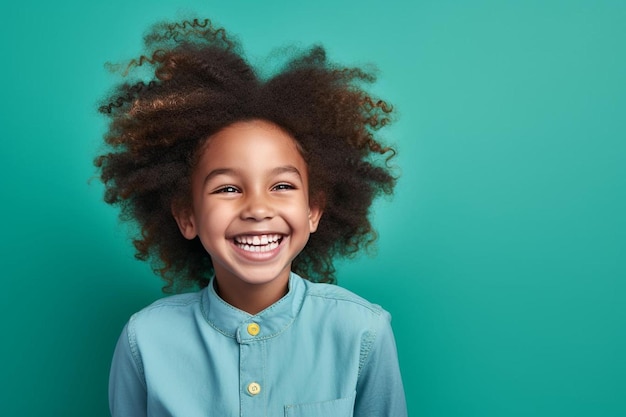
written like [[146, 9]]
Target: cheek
[[300, 215], [214, 219]]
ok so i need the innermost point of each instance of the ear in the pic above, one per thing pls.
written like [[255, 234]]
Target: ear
[[315, 214], [186, 222]]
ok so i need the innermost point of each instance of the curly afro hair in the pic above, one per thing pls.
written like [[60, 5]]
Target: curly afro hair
[[199, 82]]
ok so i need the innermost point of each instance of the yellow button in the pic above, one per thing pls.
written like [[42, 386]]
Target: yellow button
[[253, 329], [254, 388]]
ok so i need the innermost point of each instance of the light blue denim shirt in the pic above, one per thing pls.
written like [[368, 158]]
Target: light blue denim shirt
[[318, 351]]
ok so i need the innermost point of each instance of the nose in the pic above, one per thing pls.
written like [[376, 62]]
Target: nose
[[257, 206]]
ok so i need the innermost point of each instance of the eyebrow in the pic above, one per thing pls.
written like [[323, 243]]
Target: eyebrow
[[286, 169], [219, 171], [229, 171]]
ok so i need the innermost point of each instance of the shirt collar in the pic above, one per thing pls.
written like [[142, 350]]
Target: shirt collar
[[232, 322]]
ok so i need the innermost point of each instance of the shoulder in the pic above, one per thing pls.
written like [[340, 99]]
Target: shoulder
[[343, 300], [173, 302], [350, 321], [167, 312]]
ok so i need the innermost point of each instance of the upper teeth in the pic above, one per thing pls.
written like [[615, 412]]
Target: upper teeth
[[257, 240]]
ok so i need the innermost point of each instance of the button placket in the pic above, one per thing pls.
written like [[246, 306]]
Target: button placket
[[251, 371]]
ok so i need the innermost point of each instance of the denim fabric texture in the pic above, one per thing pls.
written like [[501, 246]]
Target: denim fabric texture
[[319, 351]]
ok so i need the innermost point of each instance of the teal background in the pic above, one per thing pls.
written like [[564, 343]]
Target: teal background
[[501, 256]]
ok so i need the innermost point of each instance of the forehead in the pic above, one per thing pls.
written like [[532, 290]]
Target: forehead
[[251, 145]]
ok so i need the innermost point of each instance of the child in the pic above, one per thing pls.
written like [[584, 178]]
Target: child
[[241, 185]]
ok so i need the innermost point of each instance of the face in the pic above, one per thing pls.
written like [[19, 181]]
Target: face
[[250, 204]]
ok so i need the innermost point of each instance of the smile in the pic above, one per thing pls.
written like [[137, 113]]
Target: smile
[[258, 243]]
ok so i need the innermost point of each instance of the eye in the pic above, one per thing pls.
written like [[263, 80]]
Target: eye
[[226, 190], [283, 186]]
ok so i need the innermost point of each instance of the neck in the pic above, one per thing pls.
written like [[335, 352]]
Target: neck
[[251, 298]]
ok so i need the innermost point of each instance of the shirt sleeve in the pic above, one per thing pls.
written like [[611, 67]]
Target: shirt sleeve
[[379, 389], [127, 387]]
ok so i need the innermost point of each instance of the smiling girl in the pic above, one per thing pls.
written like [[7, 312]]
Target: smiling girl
[[248, 188]]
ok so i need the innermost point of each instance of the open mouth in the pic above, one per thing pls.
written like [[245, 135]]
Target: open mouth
[[258, 243]]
